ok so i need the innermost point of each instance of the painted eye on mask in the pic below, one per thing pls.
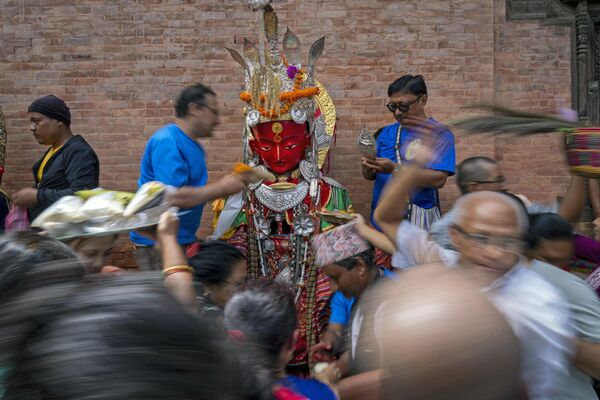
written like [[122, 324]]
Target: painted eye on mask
[[290, 146], [266, 147]]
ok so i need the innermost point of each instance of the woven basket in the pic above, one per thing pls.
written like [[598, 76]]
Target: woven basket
[[583, 151]]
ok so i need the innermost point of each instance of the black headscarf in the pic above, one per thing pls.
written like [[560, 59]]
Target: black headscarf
[[52, 107]]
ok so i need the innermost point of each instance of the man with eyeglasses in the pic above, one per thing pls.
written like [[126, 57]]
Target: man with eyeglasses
[[397, 144], [483, 173], [174, 157], [488, 236]]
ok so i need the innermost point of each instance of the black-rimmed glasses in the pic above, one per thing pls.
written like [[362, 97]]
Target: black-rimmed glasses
[[402, 107]]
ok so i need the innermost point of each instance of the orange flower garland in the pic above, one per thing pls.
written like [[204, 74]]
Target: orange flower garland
[[289, 98]]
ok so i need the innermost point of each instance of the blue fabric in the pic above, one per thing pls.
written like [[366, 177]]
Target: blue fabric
[[175, 159], [341, 306], [310, 388], [444, 159]]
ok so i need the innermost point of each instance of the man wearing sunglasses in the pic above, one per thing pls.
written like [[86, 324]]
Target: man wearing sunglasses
[[488, 235], [397, 144]]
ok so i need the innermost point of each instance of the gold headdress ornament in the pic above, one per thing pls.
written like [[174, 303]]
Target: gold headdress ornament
[[277, 87]]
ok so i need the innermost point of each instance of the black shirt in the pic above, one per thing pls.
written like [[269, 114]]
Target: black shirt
[[75, 166]]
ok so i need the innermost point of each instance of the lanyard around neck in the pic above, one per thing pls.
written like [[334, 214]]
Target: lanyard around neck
[[397, 147]]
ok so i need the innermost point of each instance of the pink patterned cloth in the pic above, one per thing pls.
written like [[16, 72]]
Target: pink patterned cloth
[[338, 244], [16, 220], [593, 280]]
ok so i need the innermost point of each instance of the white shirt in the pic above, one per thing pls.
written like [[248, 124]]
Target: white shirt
[[536, 311]]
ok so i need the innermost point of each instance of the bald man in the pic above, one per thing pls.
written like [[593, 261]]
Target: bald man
[[488, 235], [455, 345]]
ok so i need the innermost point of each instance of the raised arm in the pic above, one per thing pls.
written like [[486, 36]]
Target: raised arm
[[178, 275], [393, 202], [377, 239], [571, 206]]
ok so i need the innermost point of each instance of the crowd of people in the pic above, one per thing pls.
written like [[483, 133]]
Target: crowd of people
[[478, 303]]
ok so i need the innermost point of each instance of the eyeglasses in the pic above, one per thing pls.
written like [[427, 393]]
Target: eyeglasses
[[402, 107], [213, 110], [504, 243], [497, 180]]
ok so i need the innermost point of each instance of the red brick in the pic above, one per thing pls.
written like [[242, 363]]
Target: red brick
[[120, 67]]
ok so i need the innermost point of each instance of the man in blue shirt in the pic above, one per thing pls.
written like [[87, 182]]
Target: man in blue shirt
[[397, 145], [174, 157]]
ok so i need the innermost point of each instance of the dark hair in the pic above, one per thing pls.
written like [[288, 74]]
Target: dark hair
[[119, 339], [195, 94], [265, 312], [367, 256], [413, 84], [547, 226], [20, 252], [214, 261], [472, 169]]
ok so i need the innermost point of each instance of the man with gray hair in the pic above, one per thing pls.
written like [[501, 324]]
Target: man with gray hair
[[488, 234]]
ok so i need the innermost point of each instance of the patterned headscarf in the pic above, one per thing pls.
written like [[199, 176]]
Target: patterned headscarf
[[338, 244]]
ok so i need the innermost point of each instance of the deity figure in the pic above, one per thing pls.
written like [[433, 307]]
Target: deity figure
[[289, 126]]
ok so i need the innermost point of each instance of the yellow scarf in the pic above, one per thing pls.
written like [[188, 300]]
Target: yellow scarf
[[47, 157]]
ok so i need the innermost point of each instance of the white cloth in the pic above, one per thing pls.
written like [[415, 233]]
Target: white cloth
[[230, 211], [535, 309], [413, 247]]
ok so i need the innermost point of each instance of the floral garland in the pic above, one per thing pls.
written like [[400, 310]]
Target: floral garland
[[288, 98]]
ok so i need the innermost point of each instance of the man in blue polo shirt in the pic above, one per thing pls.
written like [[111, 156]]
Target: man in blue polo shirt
[[397, 144], [174, 157]]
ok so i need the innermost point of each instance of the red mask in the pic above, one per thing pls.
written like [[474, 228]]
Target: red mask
[[280, 145]]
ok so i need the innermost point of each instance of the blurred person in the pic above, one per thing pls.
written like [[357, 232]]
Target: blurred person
[[204, 282], [261, 321], [219, 268], [35, 274], [397, 145], [69, 165], [340, 304], [483, 173], [550, 239], [348, 260], [489, 234], [174, 157], [440, 339], [116, 339], [94, 251]]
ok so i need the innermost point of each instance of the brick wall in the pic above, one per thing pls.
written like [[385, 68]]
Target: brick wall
[[118, 64]]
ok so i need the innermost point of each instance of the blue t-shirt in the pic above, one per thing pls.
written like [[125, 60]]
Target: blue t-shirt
[[310, 388], [341, 306], [175, 159], [444, 159]]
